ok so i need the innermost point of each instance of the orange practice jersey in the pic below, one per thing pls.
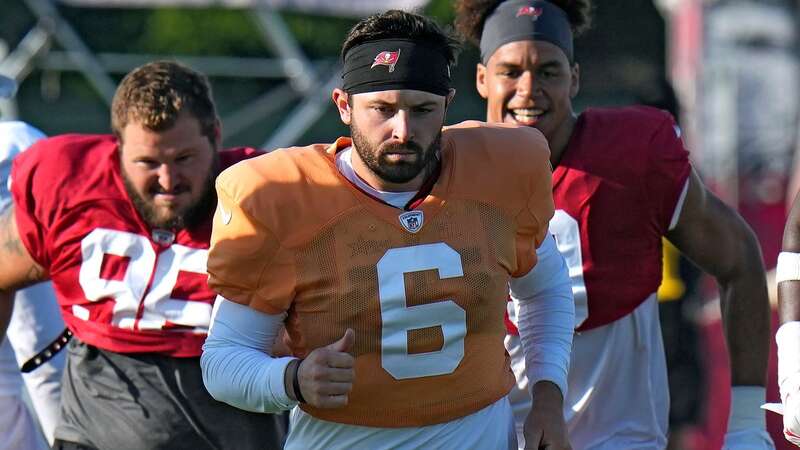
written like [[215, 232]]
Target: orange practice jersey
[[424, 290]]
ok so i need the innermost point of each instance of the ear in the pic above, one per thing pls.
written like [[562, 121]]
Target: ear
[[341, 100], [480, 81], [449, 99], [575, 82], [217, 133]]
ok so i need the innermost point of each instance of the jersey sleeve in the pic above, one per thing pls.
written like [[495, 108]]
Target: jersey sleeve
[[32, 196], [533, 220], [15, 137], [667, 172], [246, 262]]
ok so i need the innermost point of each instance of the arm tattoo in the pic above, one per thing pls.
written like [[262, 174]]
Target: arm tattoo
[[35, 273], [11, 247], [9, 241]]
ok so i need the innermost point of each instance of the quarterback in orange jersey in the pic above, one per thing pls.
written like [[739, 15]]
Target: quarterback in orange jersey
[[388, 257]]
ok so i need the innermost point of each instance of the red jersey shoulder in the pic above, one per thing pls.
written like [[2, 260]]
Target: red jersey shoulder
[[231, 156], [633, 126], [623, 118], [59, 172], [66, 156], [625, 142]]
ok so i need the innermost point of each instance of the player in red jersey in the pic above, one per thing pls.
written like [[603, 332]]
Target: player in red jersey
[[121, 225], [622, 180]]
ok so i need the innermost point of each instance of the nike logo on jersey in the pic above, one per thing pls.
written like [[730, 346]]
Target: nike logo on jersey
[[225, 215]]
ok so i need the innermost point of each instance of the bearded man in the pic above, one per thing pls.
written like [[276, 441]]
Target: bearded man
[[121, 224]]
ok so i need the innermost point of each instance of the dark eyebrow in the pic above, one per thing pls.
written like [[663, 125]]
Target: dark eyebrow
[[427, 103], [507, 65], [549, 65], [186, 150], [379, 103], [183, 151], [545, 65], [417, 105]]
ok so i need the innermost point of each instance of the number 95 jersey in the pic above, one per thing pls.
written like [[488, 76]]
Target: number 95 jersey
[[424, 289], [121, 286]]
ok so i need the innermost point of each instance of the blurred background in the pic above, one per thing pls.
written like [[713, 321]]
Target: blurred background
[[271, 67], [728, 69]]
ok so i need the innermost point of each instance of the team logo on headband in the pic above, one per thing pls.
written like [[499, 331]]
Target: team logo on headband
[[388, 59], [532, 11]]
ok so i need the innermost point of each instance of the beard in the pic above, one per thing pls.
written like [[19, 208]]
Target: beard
[[187, 217], [398, 172]]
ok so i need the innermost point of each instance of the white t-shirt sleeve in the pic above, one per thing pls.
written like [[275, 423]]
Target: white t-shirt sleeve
[[236, 362], [15, 137], [546, 316]]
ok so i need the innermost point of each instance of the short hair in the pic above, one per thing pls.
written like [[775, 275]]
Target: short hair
[[154, 94], [396, 24], [471, 16]]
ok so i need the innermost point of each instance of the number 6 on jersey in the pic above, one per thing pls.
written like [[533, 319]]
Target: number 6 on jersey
[[398, 318]]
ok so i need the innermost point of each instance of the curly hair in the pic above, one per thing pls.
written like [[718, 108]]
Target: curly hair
[[471, 15], [400, 24], [154, 95]]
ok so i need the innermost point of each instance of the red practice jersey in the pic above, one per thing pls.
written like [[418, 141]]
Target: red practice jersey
[[121, 286], [615, 191]]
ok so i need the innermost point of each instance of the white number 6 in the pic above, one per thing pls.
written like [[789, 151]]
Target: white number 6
[[398, 318]]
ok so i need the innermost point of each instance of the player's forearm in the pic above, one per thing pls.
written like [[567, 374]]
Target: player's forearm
[[787, 272], [245, 378], [546, 316], [735, 260], [236, 370], [6, 308], [546, 336], [789, 301], [745, 318]]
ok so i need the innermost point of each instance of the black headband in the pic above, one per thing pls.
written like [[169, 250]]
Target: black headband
[[389, 64], [521, 20]]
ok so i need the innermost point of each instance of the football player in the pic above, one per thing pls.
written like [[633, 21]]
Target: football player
[[121, 225], [388, 256], [788, 336], [622, 180], [36, 322]]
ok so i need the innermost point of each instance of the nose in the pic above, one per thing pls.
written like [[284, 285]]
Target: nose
[[401, 130], [166, 177], [525, 84]]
